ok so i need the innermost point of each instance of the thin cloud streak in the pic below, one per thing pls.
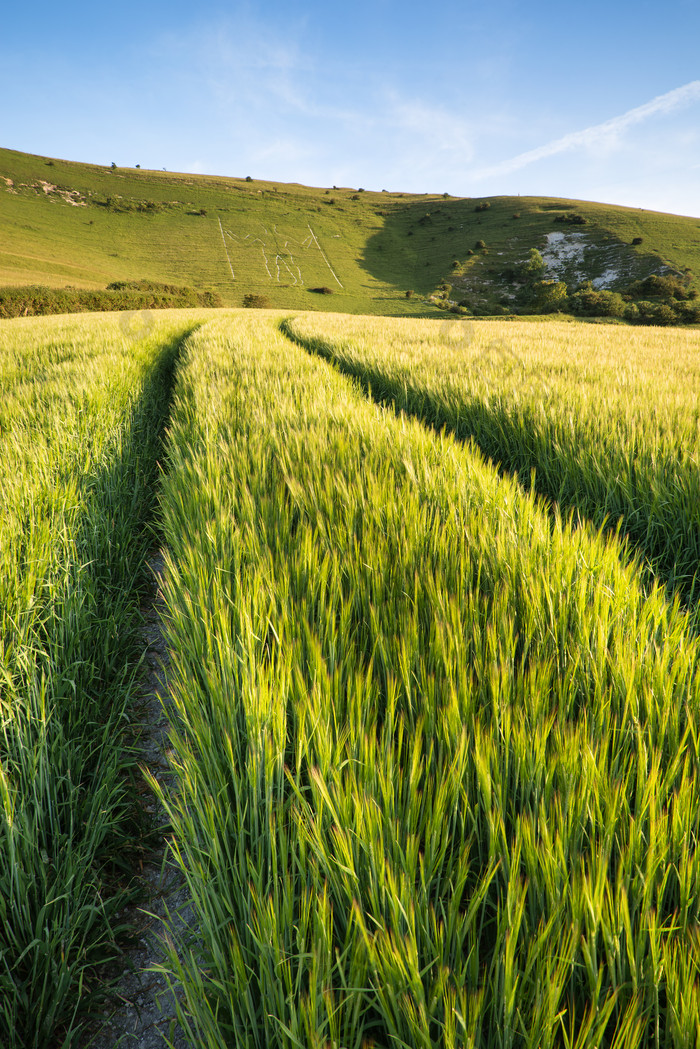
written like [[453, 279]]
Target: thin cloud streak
[[598, 133]]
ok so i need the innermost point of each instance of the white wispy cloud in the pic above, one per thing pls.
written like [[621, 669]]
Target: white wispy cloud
[[599, 134]]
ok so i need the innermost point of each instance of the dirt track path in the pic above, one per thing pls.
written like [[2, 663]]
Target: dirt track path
[[143, 1013]]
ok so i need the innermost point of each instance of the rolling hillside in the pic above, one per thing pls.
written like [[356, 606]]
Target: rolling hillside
[[66, 224]]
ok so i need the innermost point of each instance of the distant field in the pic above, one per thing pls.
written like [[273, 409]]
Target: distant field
[[604, 423], [65, 223], [436, 723]]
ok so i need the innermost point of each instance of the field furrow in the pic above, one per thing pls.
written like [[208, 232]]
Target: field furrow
[[83, 405], [603, 421]]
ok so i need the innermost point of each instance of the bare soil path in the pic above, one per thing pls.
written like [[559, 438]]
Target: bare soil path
[[143, 1014]]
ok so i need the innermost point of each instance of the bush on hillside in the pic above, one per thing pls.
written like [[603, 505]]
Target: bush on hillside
[[571, 219], [687, 313], [589, 302], [37, 300], [322, 291], [658, 313], [550, 296], [665, 288], [535, 266], [126, 205], [253, 301]]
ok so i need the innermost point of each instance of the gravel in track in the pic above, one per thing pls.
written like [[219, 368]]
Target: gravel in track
[[142, 1014]]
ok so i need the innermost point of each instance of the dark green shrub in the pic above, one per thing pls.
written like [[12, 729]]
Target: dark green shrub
[[600, 303], [688, 314], [550, 296], [322, 291], [480, 245], [535, 265], [571, 219], [665, 288], [484, 206], [658, 313], [35, 300], [510, 274], [637, 240], [253, 301]]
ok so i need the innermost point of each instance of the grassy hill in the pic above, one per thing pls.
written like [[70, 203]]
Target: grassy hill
[[66, 224]]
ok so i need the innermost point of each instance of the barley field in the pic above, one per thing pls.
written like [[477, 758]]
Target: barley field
[[435, 667], [80, 411], [603, 421], [438, 745]]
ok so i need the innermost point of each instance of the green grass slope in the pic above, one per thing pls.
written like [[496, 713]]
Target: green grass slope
[[66, 224], [425, 244]]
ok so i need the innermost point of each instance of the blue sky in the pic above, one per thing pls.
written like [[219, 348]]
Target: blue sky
[[599, 101]]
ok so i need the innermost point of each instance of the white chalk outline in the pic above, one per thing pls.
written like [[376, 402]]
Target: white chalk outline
[[280, 259], [228, 259], [324, 255]]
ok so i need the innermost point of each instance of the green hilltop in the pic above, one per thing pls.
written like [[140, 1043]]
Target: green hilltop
[[82, 226]]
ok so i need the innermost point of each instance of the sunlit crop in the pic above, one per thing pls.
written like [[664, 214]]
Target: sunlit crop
[[437, 748], [80, 413]]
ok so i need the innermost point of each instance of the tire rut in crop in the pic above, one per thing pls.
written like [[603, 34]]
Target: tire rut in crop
[[142, 1013]]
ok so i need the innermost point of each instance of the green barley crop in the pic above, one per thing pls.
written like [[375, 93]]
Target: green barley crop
[[80, 413], [605, 419], [437, 750]]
